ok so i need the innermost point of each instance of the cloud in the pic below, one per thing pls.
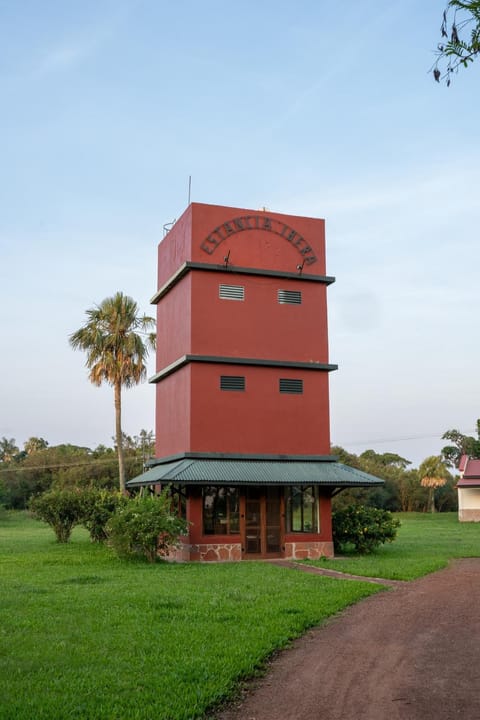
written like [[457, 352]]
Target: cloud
[[369, 23], [359, 312], [72, 51], [65, 56], [454, 181]]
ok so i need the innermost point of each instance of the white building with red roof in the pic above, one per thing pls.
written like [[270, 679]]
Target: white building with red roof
[[469, 490]]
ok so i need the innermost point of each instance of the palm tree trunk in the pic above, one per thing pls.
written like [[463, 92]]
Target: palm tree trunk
[[119, 436]]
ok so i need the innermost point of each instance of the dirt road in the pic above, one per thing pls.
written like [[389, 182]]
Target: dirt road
[[410, 653]]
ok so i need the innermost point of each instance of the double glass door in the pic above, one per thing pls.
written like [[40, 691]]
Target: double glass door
[[263, 526]]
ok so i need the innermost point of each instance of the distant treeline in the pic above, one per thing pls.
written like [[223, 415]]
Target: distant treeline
[[39, 467], [403, 490]]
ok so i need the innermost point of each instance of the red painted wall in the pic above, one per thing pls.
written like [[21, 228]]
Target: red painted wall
[[255, 247], [258, 326], [259, 420], [175, 247], [192, 413], [174, 323], [173, 413], [195, 514], [194, 233]]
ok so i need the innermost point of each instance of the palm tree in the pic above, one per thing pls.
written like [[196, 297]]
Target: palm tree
[[8, 449], [117, 341], [433, 473], [34, 444]]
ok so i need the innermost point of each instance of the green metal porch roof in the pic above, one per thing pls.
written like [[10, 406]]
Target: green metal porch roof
[[228, 471]]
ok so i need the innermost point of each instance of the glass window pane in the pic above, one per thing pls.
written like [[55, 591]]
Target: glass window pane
[[273, 520], [233, 511], [209, 495], [297, 509], [221, 514], [309, 510], [302, 509]]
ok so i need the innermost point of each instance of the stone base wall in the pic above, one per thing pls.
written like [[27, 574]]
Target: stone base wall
[[308, 550], [469, 515], [232, 552], [208, 552], [180, 554]]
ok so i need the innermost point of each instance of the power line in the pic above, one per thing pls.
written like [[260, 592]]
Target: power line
[[401, 439], [63, 465], [345, 443]]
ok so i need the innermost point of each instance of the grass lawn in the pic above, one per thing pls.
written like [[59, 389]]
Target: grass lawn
[[86, 636], [425, 543]]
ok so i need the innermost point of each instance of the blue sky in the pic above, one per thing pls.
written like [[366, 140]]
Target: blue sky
[[314, 108]]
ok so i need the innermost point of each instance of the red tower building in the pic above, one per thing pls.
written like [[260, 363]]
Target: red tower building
[[242, 407]]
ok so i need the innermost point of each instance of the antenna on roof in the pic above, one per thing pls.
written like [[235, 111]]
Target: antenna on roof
[[189, 187]]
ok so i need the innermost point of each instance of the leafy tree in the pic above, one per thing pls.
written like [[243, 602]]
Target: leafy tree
[[345, 457], [460, 43], [103, 450], [363, 527], [20, 486], [146, 444], [116, 352], [8, 449], [42, 470], [390, 467], [383, 460], [412, 496], [144, 526], [2, 495], [128, 444], [98, 506], [32, 474], [34, 444], [402, 490], [434, 474], [61, 509], [63, 467], [101, 474], [446, 496], [461, 445]]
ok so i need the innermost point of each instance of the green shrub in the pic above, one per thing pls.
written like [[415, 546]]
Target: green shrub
[[61, 509], [145, 526], [98, 506], [363, 527]]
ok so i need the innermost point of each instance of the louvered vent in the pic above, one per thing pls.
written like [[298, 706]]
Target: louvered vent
[[288, 385], [232, 382], [231, 292], [290, 297]]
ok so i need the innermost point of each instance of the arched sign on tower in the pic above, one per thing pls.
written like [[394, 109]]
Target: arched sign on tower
[[265, 224]]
